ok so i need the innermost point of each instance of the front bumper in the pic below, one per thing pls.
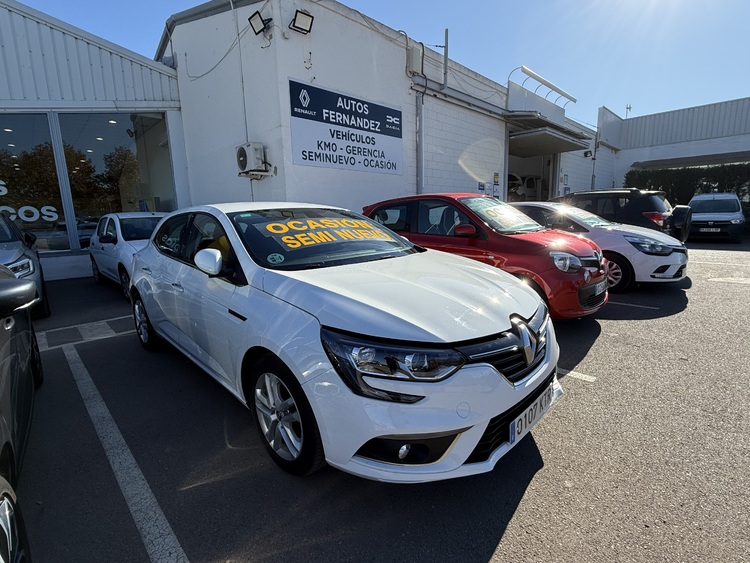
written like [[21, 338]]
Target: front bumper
[[467, 416], [651, 268], [716, 229], [570, 300]]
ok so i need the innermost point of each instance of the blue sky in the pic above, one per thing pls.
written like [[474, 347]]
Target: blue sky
[[654, 55]]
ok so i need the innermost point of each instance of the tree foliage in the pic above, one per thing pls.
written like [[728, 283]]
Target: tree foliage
[[681, 183]]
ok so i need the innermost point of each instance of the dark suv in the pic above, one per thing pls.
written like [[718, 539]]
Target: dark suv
[[645, 208]]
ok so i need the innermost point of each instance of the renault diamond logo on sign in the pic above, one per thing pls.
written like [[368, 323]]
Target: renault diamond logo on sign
[[304, 97]]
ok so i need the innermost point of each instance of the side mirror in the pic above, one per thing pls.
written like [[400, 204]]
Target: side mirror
[[465, 230], [107, 239], [209, 261]]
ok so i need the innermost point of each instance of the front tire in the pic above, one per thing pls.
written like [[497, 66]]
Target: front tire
[[95, 273], [619, 273], [143, 327], [286, 422], [12, 526], [125, 284]]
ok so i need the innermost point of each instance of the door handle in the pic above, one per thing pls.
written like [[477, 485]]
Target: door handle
[[145, 269], [178, 287]]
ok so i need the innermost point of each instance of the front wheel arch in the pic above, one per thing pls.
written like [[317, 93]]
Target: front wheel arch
[[621, 272], [260, 363]]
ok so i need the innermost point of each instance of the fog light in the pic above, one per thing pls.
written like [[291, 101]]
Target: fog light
[[403, 451]]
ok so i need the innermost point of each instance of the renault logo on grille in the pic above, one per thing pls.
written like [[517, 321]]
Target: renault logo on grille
[[529, 341]]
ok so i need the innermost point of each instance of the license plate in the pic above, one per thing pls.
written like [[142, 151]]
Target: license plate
[[529, 417], [600, 287], [709, 230]]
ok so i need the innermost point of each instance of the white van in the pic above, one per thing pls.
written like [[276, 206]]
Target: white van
[[717, 215]]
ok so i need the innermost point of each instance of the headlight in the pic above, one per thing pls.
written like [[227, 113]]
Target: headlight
[[565, 262], [649, 246], [22, 268], [737, 221], [355, 358]]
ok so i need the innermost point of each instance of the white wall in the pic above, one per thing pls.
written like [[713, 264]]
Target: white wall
[[463, 147], [346, 53]]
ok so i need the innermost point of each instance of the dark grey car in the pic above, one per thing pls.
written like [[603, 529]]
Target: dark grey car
[[20, 375]]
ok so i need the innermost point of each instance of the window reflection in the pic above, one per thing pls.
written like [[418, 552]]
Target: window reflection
[[115, 162], [29, 188]]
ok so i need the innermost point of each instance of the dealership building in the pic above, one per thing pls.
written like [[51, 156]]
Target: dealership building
[[258, 101]]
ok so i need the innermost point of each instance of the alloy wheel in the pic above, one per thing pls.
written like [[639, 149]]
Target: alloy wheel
[[278, 416]]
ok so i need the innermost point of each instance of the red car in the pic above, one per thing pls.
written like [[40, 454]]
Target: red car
[[566, 270]]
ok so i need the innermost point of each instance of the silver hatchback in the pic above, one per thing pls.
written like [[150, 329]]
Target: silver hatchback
[[19, 254]]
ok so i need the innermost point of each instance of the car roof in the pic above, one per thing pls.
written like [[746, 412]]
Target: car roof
[[436, 195], [238, 206], [716, 195], [136, 214], [613, 191]]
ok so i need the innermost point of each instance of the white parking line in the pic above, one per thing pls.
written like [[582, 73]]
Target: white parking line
[[633, 305], [89, 331], [576, 375], [156, 533]]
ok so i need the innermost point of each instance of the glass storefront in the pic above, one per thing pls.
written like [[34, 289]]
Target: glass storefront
[[114, 162]]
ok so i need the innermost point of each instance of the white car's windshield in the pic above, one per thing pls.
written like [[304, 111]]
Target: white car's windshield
[[303, 238], [138, 228], [715, 205], [583, 216], [500, 216]]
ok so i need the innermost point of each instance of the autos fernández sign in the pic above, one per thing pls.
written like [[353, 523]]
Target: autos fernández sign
[[332, 130]]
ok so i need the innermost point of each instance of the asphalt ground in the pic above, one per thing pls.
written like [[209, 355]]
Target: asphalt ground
[[138, 456]]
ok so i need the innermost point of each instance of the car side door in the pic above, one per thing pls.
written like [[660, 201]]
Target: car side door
[[443, 225], [208, 320], [107, 251], [161, 264]]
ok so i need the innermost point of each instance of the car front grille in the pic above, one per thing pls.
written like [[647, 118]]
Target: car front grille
[[588, 299], [497, 432], [594, 261], [515, 353]]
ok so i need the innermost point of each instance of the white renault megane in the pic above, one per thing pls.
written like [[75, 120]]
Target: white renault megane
[[351, 345]]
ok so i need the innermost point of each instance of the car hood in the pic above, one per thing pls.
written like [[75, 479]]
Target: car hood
[[138, 244], [550, 239], [633, 230], [10, 252], [425, 297]]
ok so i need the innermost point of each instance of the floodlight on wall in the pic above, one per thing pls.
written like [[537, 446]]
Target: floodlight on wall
[[258, 22], [302, 22]]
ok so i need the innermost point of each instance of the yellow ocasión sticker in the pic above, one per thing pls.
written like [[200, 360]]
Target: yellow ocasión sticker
[[296, 233]]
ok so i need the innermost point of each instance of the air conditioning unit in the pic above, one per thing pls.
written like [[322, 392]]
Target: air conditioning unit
[[251, 158]]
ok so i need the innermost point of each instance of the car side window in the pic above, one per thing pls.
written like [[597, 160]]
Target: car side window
[[395, 218], [111, 229], [169, 240], [206, 232], [437, 217], [604, 207], [101, 226]]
